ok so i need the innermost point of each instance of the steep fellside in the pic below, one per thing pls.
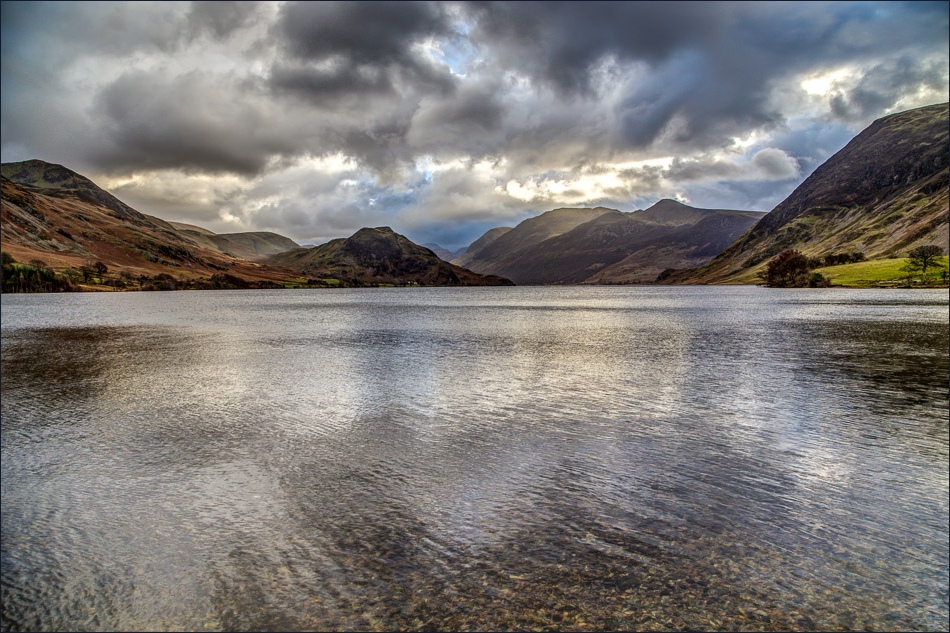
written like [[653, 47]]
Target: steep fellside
[[78, 224], [883, 194], [375, 257], [615, 247]]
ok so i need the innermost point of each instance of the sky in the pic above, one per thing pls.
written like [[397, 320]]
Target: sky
[[445, 119]]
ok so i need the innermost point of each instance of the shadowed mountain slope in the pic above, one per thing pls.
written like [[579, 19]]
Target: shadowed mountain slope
[[58, 181], [609, 246], [883, 194], [72, 231]]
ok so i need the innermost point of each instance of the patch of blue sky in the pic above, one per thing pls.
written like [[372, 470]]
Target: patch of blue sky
[[456, 52]]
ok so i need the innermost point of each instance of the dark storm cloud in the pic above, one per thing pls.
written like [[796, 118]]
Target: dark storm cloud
[[380, 147], [339, 81], [365, 32], [707, 68], [332, 84], [363, 111], [364, 63], [559, 42], [471, 119], [371, 44], [189, 122]]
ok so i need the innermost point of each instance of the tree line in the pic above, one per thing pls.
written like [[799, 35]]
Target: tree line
[[793, 269], [36, 276]]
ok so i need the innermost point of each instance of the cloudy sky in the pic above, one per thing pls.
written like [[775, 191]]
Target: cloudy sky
[[443, 120]]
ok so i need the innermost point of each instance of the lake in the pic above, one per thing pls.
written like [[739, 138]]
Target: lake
[[647, 458]]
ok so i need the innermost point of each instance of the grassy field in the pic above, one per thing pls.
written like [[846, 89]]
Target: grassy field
[[880, 273]]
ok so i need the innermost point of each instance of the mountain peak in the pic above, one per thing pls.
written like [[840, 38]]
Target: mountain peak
[[669, 203], [673, 212]]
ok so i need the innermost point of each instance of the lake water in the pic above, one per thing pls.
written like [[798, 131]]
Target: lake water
[[476, 458]]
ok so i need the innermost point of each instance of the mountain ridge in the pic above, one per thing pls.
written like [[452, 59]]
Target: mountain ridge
[[499, 254], [250, 245], [882, 194]]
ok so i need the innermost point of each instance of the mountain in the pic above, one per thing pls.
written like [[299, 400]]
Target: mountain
[[600, 246], [883, 194], [443, 253], [378, 256], [252, 245]]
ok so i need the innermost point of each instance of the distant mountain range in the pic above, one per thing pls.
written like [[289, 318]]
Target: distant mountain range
[[468, 254], [443, 253], [883, 194], [56, 217]]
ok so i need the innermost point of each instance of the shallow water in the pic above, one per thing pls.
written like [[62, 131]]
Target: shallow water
[[476, 458]]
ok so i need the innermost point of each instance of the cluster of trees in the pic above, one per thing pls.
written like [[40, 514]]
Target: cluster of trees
[[793, 269], [836, 259], [217, 281], [36, 276]]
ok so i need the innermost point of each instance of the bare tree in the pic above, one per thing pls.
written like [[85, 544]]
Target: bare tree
[[922, 258]]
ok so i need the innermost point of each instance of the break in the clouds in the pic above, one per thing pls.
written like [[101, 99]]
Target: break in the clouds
[[444, 119]]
